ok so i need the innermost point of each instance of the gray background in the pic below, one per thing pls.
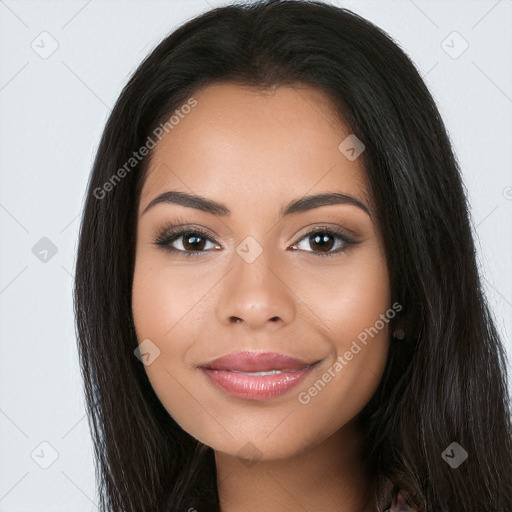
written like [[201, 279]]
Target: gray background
[[53, 108]]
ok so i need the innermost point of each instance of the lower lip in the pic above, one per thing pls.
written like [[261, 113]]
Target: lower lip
[[256, 387]]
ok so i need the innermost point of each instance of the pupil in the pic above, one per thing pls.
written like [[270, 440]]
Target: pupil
[[196, 244], [321, 241]]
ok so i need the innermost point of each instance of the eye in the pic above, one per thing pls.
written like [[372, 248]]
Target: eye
[[322, 240], [193, 241]]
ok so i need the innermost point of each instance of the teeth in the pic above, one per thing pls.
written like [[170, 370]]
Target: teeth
[[271, 372]]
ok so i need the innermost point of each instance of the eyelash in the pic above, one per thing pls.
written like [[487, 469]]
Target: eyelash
[[170, 234]]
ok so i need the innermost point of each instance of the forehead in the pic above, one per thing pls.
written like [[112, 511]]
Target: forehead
[[258, 148]]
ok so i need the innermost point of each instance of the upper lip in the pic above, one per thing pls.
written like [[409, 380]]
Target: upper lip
[[256, 362]]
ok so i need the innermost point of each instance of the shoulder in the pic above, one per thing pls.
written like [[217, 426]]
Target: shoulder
[[401, 503]]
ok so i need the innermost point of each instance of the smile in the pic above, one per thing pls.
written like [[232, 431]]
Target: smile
[[256, 385]]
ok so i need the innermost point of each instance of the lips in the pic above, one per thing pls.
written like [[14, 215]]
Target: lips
[[257, 362], [256, 375]]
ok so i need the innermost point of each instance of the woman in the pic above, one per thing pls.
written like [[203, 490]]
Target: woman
[[277, 296]]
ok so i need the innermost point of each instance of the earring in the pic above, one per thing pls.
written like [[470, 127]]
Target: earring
[[399, 335]]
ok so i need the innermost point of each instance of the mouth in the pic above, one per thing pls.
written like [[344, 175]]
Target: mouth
[[256, 376]]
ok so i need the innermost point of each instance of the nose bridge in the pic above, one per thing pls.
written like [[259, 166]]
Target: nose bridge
[[253, 291]]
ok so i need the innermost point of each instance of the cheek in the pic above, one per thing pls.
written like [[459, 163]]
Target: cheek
[[351, 302], [153, 302], [156, 309], [171, 308], [163, 296], [347, 297], [161, 299]]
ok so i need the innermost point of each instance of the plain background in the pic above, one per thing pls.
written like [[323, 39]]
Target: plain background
[[53, 109]]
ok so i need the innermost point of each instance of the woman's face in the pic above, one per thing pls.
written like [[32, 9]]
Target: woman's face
[[257, 281]]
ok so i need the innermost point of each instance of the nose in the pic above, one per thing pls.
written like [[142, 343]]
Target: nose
[[256, 294]]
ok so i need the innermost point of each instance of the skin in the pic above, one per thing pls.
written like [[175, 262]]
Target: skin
[[255, 152]]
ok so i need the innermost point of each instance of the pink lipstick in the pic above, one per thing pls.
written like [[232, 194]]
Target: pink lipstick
[[256, 375]]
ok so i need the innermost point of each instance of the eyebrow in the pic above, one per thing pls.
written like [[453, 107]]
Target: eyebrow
[[297, 206]]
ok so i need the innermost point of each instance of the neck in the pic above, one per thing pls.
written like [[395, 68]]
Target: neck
[[328, 477]]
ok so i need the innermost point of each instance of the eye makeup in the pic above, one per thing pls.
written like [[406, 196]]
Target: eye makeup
[[197, 237]]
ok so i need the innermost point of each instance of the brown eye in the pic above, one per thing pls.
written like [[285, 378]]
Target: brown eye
[[322, 242], [193, 242]]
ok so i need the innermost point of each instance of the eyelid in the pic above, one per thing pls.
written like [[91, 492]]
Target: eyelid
[[179, 224], [340, 231]]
